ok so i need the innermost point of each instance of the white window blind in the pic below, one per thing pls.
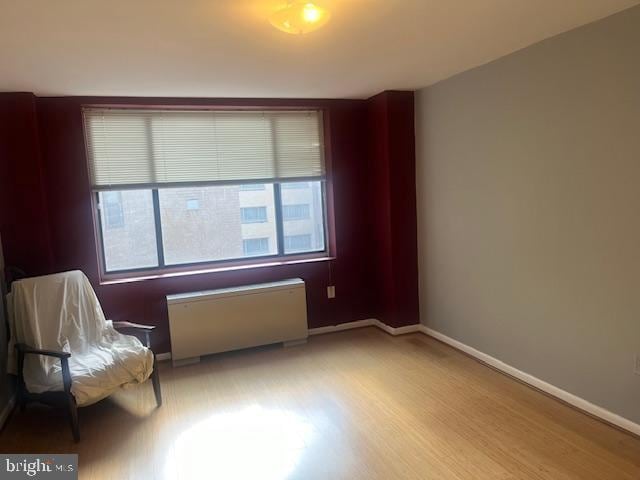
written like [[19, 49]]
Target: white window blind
[[129, 147]]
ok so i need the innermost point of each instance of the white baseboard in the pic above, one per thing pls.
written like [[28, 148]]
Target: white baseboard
[[6, 411], [552, 390], [163, 357], [185, 361], [369, 322], [397, 330]]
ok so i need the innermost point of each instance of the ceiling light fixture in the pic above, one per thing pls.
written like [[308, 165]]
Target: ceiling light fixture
[[300, 16]]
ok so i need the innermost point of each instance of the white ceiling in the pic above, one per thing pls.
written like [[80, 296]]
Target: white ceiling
[[226, 48]]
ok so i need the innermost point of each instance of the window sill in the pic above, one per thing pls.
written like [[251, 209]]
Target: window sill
[[228, 268]]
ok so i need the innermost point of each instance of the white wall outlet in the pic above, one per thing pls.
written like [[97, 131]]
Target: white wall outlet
[[331, 291], [636, 366]]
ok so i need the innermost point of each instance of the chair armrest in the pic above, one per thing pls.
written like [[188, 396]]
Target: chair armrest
[[135, 326], [22, 348], [64, 363]]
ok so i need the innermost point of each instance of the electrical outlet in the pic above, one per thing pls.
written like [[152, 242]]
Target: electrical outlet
[[636, 366], [331, 291]]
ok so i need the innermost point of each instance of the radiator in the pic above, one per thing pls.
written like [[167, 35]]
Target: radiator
[[215, 321]]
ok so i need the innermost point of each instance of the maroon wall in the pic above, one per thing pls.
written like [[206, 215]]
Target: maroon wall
[[61, 229], [393, 193], [23, 212]]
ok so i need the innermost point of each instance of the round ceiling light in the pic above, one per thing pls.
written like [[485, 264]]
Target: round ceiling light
[[299, 17]]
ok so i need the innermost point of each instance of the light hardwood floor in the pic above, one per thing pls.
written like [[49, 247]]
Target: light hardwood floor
[[358, 404]]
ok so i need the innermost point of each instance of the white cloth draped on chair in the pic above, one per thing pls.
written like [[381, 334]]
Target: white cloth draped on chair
[[61, 312]]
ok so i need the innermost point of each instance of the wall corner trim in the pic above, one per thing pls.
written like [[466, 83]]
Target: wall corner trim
[[369, 322], [562, 395], [397, 330]]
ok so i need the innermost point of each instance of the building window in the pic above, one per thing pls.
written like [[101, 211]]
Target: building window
[[148, 167], [253, 187], [253, 214], [295, 185], [296, 212], [252, 247], [297, 243], [113, 211], [193, 204]]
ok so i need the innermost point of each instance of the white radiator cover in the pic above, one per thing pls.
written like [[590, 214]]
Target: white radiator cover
[[215, 321]]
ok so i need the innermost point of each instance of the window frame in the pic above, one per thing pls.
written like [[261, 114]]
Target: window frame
[[163, 268]]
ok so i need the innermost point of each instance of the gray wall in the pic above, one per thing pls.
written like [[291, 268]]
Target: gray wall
[[529, 210]]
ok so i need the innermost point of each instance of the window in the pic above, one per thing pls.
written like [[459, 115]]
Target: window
[[216, 231], [304, 217], [297, 243], [255, 246], [295, 212], [295, 185], [193, 204], [253, 214], [113, 211], [132, 245], [176, 188], [252, 187]]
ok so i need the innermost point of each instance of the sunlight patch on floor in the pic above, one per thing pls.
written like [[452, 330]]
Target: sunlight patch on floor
[[247, 444]]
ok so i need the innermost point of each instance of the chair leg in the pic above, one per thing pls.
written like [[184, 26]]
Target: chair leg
[[22, 403], [71, 400], [155, 379], [21, 388], [73, 417]]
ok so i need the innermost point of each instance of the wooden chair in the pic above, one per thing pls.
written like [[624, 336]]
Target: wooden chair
[[65, 396]]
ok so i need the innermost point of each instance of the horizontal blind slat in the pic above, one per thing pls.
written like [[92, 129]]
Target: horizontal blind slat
[[133, 146]]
